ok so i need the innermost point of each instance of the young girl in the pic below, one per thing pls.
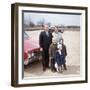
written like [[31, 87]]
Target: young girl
[[59, 59], [64, 52]]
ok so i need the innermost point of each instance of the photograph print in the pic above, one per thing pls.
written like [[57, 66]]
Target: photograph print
[[43, 34]]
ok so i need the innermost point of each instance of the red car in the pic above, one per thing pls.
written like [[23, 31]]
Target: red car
[[31, 49]]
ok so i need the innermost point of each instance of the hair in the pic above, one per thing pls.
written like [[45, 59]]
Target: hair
[[53, 40], [58, 46], [44, 25], [56, 27]]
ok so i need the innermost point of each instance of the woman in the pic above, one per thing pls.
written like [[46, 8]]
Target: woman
[[57, 35]]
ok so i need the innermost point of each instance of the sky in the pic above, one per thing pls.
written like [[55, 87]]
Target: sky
[[54, 19]]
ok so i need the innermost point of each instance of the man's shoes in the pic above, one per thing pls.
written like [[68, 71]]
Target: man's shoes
[[48, 67], [65, 68], [44, 69]]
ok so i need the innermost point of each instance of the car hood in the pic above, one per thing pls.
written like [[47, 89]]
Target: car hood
[[31, 45]]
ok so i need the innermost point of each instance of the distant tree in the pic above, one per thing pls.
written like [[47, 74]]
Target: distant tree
[[31, 24], [49, 24], [25, 25], [41, 22], [73, 26]]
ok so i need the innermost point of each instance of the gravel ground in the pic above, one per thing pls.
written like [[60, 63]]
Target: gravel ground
[[72, 42]]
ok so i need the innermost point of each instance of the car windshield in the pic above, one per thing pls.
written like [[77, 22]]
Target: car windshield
[[26, 35]]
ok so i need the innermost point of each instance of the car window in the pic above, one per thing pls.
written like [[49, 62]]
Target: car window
[[26, 35]]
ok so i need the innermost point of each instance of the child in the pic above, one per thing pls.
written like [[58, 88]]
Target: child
[[59, 58], [52, 51], [64, 52]]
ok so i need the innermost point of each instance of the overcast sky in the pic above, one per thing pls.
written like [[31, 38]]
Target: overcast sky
[[54, 19]]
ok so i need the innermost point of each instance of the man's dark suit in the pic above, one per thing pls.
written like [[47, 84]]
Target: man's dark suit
[[44, 42]]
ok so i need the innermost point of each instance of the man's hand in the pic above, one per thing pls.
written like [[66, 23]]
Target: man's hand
[[41, 49], [50, 58]]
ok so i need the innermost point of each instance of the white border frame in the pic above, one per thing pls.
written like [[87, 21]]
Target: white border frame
[[50, 79]]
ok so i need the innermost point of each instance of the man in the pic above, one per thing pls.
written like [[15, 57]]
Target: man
[[45, 40]]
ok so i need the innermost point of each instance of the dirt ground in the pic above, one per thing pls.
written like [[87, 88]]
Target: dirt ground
[[72, 42]]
